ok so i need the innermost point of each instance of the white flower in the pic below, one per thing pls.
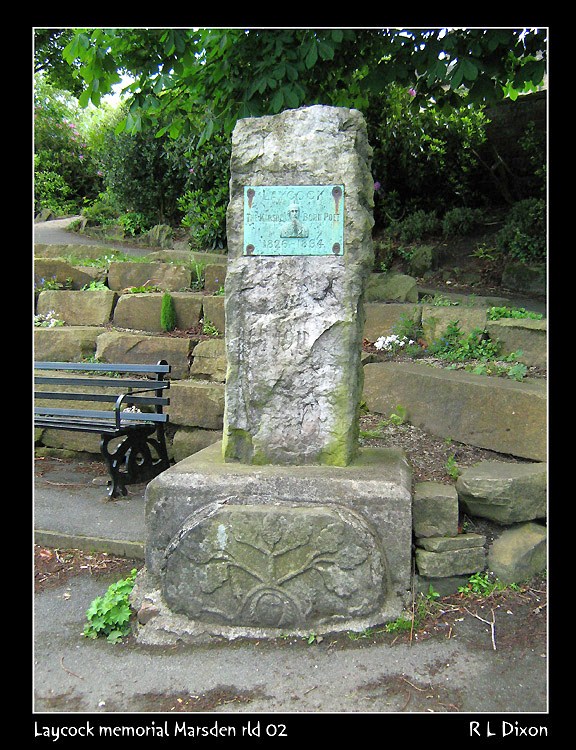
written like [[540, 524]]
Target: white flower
[[392, 342]]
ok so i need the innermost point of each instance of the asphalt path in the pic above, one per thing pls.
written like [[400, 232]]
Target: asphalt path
[[55, 232]]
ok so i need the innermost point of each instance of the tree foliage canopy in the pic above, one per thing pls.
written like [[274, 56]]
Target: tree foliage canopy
[[225, 74]]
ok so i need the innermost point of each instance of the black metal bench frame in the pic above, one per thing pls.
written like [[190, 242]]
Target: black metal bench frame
[[141, 453]]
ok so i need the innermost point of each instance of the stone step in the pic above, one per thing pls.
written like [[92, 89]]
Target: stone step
[[141, 312], [495, 413]]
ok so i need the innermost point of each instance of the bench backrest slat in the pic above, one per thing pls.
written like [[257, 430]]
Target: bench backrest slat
[[89, 382], [161, 367]]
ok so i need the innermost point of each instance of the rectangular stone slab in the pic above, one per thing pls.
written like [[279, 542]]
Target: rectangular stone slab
[[372, 497]]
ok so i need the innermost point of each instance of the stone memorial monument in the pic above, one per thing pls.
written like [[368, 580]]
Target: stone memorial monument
[[286, 526]]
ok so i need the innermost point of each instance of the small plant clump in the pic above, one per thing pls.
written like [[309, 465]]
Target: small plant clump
[[167, 313], [43, 284], [208, 328], [109, 615], [456, 346], [47, 320], [392, 343], [517, 313], [484, 584], [95, 286]]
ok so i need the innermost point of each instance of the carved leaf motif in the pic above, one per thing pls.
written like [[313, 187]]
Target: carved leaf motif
[[203, 553], [273, 529], [343, 586], [351, 556], [216, 575], [297, 535], [245, 531], [330, 538]]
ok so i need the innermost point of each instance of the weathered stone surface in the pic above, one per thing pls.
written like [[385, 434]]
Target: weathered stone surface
[[143, 348], [364, 507], [77, 251], [65, 343], [275, 566], [294, 323], [381, 318], [450, 563], [214, 277], [525, 334], [391, 287], [59, 270], [445, 586], [141, 312], [196, 403], [161, 235], [163, 275], [213, 312], [209, 361], [521, 277], [449, 543], [424, 258], [437, 318], [435, 510], [504, 492], [89, 308], [74, 441], [458, 299], [502, 415], [519, 553], [187, 441]]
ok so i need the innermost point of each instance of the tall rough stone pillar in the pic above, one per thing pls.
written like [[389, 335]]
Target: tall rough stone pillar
[[294, 317], [286, 526]]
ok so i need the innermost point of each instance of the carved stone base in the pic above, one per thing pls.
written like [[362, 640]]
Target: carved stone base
[[261, 551]]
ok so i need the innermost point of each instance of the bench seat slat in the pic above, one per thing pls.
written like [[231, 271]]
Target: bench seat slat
[[60, 423], [102, 397], [95, 414]]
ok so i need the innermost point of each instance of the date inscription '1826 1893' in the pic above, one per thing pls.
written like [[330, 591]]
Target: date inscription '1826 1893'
[[294, 220]]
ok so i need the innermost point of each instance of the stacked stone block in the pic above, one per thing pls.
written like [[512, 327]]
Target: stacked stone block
[[441, 551]]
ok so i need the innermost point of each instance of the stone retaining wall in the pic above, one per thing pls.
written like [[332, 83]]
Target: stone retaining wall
[[114, 326], [494, 413]]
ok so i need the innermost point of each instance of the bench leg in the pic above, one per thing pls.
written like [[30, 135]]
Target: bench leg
[[132, 460]]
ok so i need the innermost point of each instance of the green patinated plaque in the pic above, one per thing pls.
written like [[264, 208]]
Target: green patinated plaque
[[294, 220]]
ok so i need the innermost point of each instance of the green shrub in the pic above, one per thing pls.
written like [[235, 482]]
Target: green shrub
[[134, 222], [52, 192], [103, 210], [460, 221], [523, 236], [167, 313], [416, 226], [65, 172], [205, 216]]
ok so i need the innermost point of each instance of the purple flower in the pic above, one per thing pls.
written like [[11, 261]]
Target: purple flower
[[412, 92], [377, 186]]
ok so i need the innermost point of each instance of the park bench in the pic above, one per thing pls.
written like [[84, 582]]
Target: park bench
[[123, 403]]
